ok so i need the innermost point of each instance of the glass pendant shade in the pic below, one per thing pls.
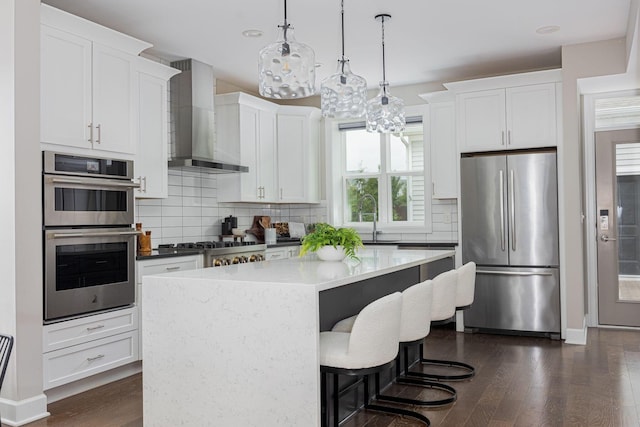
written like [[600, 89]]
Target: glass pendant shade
[[385, 113], [287, 68], [343, 94]]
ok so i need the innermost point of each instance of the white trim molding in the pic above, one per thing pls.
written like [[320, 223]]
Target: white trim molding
[[577, 336], [19, 413]]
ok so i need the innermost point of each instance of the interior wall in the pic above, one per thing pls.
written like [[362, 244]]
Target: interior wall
[[579, 61], [21, 264]]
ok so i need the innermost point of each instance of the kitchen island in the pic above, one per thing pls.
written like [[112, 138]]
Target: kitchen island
[[238, 345]]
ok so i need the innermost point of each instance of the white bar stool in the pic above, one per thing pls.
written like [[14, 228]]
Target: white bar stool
[[370, 347]]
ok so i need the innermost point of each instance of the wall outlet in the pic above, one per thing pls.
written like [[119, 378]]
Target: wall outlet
[[446, 218]]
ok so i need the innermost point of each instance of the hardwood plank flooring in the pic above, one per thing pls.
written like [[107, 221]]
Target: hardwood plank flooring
[[520, 381]]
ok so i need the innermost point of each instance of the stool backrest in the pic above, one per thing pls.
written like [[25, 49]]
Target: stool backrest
[[444, 295], [466, 284], [376, 331], [415, 319], [6, 344]]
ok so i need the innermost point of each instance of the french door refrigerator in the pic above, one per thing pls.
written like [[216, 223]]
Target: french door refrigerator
[[509, 208]]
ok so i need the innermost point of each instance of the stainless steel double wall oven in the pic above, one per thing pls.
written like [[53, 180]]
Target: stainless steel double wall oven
[[89, 241]]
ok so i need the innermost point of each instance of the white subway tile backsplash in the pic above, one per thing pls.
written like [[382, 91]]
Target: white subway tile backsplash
[[172, 221], [191, 221], [175, 190], [149, 211], [192, 211], [171, 211]]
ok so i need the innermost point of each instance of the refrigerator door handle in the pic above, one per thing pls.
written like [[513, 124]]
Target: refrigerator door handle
[[502, 209], [513, 273], [512, 202]]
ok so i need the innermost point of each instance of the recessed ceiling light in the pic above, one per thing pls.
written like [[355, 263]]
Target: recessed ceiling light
[[252, 33], [548, 29]]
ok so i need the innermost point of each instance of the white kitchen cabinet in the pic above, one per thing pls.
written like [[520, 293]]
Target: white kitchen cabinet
[[150, 266], [88, 84], [151, 154], [246, 135], [508, 118], [298, 158], [443, 151], [78, 348]]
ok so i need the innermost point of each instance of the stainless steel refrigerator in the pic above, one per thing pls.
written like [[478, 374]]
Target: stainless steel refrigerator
[[509, 208]]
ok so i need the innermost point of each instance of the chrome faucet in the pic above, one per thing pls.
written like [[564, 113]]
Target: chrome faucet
[[374, 213]]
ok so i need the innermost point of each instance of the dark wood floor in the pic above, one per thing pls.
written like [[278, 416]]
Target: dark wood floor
[[520, 381]]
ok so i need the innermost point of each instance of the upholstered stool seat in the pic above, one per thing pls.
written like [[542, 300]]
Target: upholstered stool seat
[[415, 323], [451, 290], [371, 346]]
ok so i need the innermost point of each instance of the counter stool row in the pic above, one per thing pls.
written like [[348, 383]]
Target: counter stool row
[[369, 343]]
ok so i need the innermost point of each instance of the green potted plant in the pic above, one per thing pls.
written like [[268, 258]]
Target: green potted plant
[[330, 243]]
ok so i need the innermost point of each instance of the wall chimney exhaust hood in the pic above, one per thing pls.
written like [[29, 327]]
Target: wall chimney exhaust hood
[[192, 112]]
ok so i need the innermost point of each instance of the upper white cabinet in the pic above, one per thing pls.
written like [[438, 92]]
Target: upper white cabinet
[[522, 113], [298, 133], [246, 135], [152, 133], [279, 145], [442, 149], [88, 84]]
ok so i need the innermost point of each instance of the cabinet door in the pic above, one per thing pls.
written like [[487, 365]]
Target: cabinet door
[[442, 132], [292, 158], [114, 100], [249, 122], [65, 79], [482, 122], [151, 159], [531, 116], [267, 172]]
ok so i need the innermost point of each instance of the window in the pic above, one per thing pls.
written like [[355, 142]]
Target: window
[[383, 174]]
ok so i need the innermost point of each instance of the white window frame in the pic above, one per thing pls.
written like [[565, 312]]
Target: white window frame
[[336, 197]]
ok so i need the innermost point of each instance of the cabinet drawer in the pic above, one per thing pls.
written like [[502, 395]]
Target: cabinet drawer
[[85, 329], [80, 361], [168, 265]]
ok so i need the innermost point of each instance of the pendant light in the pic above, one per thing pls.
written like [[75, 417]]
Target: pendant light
[[343, 94], [385, 113], [286, 67]]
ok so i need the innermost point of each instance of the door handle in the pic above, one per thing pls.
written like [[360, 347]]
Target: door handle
[[606, 238], [502, 210], [513, 273], [513, 209]]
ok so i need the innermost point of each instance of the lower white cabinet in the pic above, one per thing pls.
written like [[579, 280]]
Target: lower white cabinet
[[157, 266], [282, 252], [86, 346]]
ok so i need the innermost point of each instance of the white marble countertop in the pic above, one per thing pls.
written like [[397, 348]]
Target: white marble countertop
[[309, 271]]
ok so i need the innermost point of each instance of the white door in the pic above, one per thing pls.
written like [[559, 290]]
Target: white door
[[531, 116], [65, 80], [114, 98], [618, 226]]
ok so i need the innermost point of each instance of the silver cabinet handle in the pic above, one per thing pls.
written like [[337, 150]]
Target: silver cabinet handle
[[513, 209], [509, 137], [91, 359], [144, 186], [99, 133], [93, 328], [513, 273], [502, 143], [606, 238], [280, 193], [502, 210], [173, 268], [90, 126]]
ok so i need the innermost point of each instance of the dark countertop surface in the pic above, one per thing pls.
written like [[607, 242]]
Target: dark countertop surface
[[168, 253]]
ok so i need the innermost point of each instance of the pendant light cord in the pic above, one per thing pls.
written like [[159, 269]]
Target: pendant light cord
[[285, 27], [384, 74]]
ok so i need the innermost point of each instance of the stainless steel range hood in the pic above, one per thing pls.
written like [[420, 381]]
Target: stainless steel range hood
[[192, 112]]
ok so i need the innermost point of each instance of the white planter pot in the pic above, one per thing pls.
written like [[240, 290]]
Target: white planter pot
[[329, 253]]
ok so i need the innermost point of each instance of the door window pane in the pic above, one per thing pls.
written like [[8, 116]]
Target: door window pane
[[357, 188], [362, 151]]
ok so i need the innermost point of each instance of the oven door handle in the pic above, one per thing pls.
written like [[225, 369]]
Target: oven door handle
[[95, 234], [95, 182]]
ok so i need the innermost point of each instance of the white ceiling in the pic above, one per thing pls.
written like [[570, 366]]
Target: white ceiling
[[426, 41]]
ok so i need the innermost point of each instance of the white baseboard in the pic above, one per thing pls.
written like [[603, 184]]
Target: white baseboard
[[18, 413], [577, 336], [76, 387]]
